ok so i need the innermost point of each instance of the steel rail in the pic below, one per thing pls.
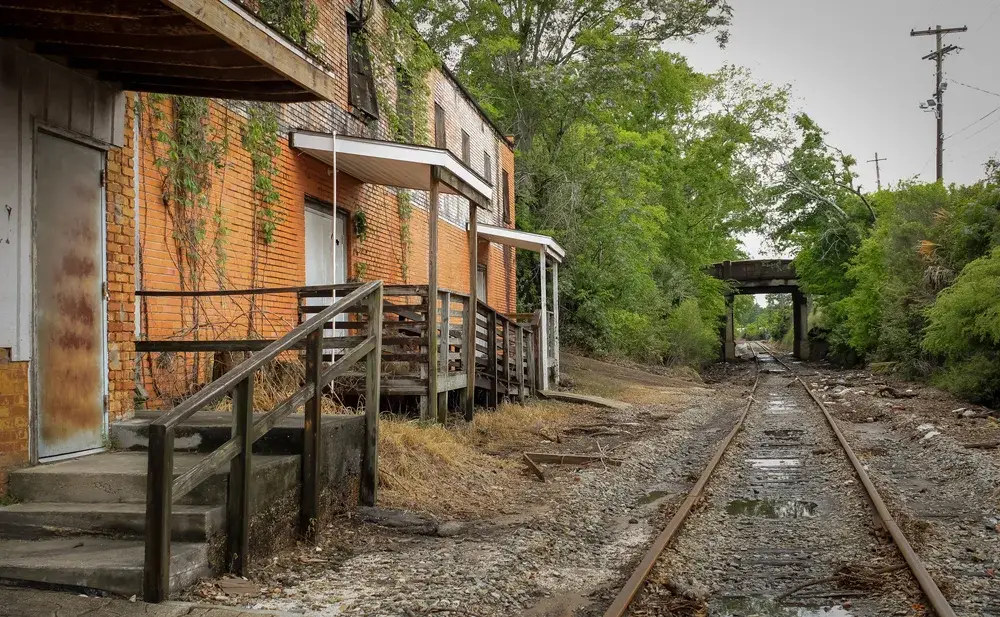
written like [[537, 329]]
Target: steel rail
[[924, 579], [635, 582]]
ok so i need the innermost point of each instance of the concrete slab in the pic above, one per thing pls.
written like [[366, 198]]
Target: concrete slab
[[22, 602], [33, 520], [90, 562], [120, 477], [583, 399]]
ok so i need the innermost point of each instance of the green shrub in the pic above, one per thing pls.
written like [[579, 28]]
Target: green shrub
[[690, 339]]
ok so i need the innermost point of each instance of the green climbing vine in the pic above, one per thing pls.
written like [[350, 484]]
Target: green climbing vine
[[402, 62], [260, 140], [296, 19]]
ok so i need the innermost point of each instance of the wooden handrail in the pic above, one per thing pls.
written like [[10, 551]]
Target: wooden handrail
[[258, 291], [162, 489], [222, 386]]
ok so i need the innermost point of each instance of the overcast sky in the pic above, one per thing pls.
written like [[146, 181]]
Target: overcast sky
[[855, 69]]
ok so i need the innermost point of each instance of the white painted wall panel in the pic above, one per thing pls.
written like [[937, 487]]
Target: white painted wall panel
[[35, 91]]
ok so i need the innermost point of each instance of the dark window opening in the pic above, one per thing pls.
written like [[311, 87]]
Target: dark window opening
[[488, 167], [466, 148], [440, 135], [405, 102], [360, 82], [506, 197]]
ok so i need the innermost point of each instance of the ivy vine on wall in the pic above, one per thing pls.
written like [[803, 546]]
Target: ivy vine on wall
[[296, 19]]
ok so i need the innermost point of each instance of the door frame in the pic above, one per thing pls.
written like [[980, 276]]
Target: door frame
[[311, 202], [34, 413]]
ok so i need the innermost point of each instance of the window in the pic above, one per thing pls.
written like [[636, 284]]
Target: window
[[488, 167], [360, 83], [405, 103], [481, 282], [506, 197], [466, 148], [440, 136]]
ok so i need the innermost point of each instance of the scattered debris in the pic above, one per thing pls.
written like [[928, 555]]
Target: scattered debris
[[535, 469], [930, 435], [983, 445], [570, 459], [894, 393]]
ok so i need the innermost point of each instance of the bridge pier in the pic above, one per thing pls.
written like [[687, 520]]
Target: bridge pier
[[727, 332], [800, 324]]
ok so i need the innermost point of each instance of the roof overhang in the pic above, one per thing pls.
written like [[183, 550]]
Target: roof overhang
[[387, 163], [522, 240], [208, 48]]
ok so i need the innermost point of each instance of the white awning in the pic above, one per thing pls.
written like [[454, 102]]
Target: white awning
[[522, 240], [394, 164]]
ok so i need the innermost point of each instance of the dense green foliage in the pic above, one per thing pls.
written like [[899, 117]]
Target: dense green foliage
[[905, 278], [642, 168], [764, 323]]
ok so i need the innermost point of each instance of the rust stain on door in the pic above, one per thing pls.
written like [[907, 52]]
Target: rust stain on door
[[68, 293]]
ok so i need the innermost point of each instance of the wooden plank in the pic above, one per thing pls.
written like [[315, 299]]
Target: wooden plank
[[532, 378], [159, 482], [240, 481], [95, 8], [336, 342], [311, 439], [535, 469], [471, 312], [261, 43], [571, 459], [443, 174], [99, 26], [519, 362], [443, 353], [506, 354], [417, 356], [241, 91], [367, 491], [290, 404], [302, 290], [491, 362], [219, 58], [190, 479], [137, 71]]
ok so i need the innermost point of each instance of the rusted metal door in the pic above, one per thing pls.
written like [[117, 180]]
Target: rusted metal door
[[68, 300]]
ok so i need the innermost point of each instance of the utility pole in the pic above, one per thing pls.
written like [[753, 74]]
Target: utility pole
[[878, 172], [938, 57]]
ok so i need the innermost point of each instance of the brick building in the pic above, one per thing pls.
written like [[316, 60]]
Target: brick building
[[68, 365]]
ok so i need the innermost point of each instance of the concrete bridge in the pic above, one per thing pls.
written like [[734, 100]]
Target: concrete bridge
[[758, 276]]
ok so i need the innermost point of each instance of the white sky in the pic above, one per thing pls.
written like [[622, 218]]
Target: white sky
[[855, 69]]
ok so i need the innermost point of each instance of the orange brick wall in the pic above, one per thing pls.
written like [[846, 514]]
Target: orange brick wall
[[13, 415], [120, 200]]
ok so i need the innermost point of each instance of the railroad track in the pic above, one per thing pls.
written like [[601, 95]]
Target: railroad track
[[794, 535]]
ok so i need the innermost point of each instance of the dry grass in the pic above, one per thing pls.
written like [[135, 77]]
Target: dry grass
[[630, 383], [447, 471]]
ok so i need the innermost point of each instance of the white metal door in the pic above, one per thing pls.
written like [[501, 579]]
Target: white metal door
[[321, 246], [69, 274]]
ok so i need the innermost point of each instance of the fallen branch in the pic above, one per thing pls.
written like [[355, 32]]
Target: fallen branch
[[535, 469], [834, 579], [982, 445], [570, 459], [893, 392]]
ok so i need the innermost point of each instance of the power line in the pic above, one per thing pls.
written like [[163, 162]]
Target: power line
[[952, 79], [968, 137], [971, 124], [996, 5]]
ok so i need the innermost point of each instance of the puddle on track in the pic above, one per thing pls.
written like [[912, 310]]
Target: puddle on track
[[772, 508], [772, 463], [653, 496], [763, 607]]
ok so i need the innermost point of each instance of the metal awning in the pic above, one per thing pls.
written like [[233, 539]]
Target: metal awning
[[208, 48], [523, 240], [394, 164]]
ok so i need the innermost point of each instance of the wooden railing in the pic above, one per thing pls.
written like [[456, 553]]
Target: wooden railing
[[163, 489], [506, 356]]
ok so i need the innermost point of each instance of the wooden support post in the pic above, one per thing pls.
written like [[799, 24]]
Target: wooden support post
[[432, 300], [311, 439], [519, 363], [506, 357], [240, 476], [555, 320], [159, 490], [532, 361], [472, 314], [367, 492], [468, 354], [543, 334], [443, 352], [491, 357]]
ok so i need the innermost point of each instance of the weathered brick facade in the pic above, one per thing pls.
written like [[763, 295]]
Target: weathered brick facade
[[13, 415], [385, 253]]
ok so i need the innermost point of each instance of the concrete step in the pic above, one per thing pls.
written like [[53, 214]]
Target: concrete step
[[120, 477], [207, 430], [89, 562], [39, 520]]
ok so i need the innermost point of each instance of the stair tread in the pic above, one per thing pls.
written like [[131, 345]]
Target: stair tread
[[100, 508], [126, 463]]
